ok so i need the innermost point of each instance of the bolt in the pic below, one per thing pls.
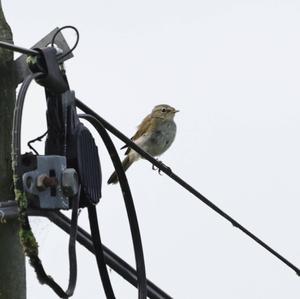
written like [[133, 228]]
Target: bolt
[[44, 181]]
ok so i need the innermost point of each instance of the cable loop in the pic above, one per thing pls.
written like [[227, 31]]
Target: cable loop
[[76, 43], [132, 217]]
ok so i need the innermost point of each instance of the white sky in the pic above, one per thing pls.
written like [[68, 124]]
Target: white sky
[[233, 70]]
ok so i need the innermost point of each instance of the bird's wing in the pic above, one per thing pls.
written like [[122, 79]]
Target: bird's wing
[[143, 129]]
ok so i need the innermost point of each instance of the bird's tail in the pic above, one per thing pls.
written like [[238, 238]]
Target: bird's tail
[[125, 163]]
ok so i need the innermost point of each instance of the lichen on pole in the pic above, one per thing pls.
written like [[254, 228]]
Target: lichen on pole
[[12, 261]]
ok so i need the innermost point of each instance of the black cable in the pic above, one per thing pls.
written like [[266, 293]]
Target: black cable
[[17, 119], [27, 238], [132, 217], [34, 140], [95, 233], [184, 184], [75, 45], [12, 47], [33, 254], [35, 261], [72, 244], [111, 259]]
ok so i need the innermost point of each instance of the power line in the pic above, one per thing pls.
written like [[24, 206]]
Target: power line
[[111, 259], [167, 170]]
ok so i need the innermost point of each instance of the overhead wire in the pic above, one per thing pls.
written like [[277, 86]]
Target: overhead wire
[[167, 170], [111, 259]]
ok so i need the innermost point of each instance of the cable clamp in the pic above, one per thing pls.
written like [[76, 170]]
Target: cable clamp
[[50, 185]]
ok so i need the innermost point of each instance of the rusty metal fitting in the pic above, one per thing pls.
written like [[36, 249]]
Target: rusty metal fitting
[[43, 181]]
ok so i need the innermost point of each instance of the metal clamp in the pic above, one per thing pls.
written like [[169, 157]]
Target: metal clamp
[[51, 185]]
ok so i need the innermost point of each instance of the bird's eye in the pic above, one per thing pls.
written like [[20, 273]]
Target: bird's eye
[[163, 110]]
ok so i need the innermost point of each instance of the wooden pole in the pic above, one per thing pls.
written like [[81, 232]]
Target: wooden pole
[[12, 260]]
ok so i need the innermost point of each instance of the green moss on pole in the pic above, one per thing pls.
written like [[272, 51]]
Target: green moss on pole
[[12, 260]]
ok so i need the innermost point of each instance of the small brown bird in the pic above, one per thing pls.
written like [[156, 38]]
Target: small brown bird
[[154, 135]]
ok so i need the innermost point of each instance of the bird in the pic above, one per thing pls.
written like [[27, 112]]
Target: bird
[[155, 135]]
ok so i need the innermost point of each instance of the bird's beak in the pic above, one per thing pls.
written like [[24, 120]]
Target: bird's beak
[[175, 111]]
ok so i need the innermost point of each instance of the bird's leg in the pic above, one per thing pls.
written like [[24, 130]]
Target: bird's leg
[[162, 164], [155, 168]]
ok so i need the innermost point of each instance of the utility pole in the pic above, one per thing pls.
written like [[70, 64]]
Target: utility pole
[[12, 260]]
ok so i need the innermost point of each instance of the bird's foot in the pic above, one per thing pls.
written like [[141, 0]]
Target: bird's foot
[[157, 168], [165, 167]]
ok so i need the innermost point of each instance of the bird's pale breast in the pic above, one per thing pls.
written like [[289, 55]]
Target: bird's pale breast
[[161, 138]]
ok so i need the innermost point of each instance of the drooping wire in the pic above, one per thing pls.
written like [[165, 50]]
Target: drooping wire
[[34, 140], [76, 42], [95, 233], [112, 260], [27, 238], [167, 170], [132, 217], [72, 244]]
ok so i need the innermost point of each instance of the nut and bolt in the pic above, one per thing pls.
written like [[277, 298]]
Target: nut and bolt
[[44, 181]]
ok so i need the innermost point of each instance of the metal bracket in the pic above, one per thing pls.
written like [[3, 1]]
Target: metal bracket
[[51, 185], [21, 66], [8, 210]]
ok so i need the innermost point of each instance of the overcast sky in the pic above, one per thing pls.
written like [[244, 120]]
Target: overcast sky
[[232, 68]]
